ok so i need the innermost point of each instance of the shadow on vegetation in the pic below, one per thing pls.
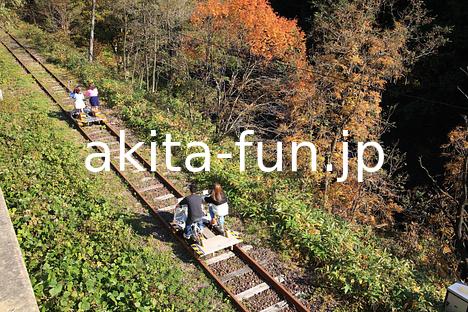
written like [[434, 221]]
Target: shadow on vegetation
[[58, 115], [63, 117], [148, 225]]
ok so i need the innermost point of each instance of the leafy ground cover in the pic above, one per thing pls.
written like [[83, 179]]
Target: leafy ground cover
[[80, 252], [348, 257]]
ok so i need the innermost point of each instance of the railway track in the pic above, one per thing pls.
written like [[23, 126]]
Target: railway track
[[249, 286]]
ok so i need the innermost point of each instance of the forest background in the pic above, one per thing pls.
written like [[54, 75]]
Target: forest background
[[389, 71]]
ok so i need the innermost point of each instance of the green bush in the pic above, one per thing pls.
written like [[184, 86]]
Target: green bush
[[348, 257], [352, 258]]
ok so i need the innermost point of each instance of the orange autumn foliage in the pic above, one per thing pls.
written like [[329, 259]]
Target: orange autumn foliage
[[246, 42], [255, 23]]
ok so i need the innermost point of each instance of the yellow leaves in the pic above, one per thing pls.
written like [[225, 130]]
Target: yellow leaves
[[356, 60], [458, 136], [314, 231], [446, 250], [424, 258], [456, 151], [386, 61], [376, 46], [395, 207]]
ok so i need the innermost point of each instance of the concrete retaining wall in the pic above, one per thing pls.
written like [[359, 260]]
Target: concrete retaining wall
[[16, 293]]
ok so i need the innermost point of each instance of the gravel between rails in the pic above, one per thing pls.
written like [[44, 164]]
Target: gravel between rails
[[244, 282], [224, 267], [264, 300], [296, 279], [156, 193]]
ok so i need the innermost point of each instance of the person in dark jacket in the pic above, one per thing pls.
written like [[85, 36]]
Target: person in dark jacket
[[218, 206], [195, 211]]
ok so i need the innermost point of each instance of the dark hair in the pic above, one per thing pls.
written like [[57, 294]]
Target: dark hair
[[77, 90], [193, 188], [218, 193]]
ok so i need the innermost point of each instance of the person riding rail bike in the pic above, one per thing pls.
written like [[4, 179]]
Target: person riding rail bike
[[93, 95], [195, 211], [218, 204], [79, 99]]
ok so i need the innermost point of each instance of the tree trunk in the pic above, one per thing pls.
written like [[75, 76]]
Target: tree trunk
[[91, 35], [155, 62], [125, 45], [135, 59], [145, 51], [328, 160]]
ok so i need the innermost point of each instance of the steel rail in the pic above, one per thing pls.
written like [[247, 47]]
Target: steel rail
[[255, 266]]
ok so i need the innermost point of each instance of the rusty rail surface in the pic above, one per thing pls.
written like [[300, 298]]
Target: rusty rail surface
[[254, 265]]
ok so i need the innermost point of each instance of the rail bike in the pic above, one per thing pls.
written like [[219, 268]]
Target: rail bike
[[207, 239], [87, 117]]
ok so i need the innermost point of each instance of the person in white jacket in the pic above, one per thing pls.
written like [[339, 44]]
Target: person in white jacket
[[79, 97]]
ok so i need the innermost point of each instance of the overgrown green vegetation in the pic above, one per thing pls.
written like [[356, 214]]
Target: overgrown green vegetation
[[8, 10], [349, 257], [80, 252]]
